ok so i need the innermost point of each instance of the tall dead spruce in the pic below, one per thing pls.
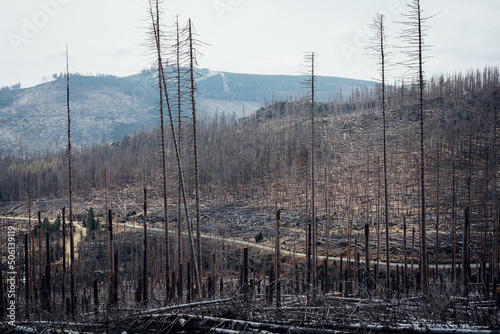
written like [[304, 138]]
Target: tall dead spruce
[[378, 49], [192, 86], [156, 34], [311, 243], [159, 65], [178, 84], [71, 226], [414, 36]]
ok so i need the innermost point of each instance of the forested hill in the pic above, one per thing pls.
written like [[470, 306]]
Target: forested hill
[[105, 107], [268, 151]]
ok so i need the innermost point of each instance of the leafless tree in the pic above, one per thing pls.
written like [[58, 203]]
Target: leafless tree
[[414, 34], [70, 187], [379, 49]]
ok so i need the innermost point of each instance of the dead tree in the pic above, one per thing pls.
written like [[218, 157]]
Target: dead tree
[[465, 272], [26, 276], [437, 213], [111, 270], [47, 280], [3, 300], [96, 298], [192, 64], [63, 292], [379, 50], [31, 239], [164, 160], [145, 254], [179, 134], [414, 35], [156, 34], [71, 227], [327, 233], [277, 259], [311, 225], [40, 276], [367, 254]]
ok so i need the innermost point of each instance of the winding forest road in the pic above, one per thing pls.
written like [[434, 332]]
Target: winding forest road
[[249, 244]]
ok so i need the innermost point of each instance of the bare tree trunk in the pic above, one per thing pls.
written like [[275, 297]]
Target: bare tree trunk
[[156, 32], [412, 248], [437, 214], [375, 272], [423, 262], [453, 220], [465, 272], [110, 231], [26, 276], [245, 273], [145, 254], [327, 231], [164, 154], [108, 254], [179, 129], [186, 212], [349, 242], [40, 276], [63, 295], [386, 200], [195, 151], [31, 239], [277, 259], [115, 279], [71, 227], [496, 221], [47, 275], [313, 177], [96, 298], [367, 253], [308, 229]]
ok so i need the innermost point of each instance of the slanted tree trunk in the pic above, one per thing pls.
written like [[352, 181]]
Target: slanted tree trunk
[[179, 131], [157, 34], [164, 154]]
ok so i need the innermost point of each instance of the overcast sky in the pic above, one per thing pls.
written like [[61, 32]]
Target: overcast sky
[[246, 36]]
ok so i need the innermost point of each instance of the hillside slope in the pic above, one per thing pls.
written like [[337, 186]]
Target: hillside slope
[[106, 107]]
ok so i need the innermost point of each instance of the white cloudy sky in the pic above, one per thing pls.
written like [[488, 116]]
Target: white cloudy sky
[[249, 36]]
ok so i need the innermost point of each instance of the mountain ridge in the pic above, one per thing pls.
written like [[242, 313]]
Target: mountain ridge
[[105, 107]]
